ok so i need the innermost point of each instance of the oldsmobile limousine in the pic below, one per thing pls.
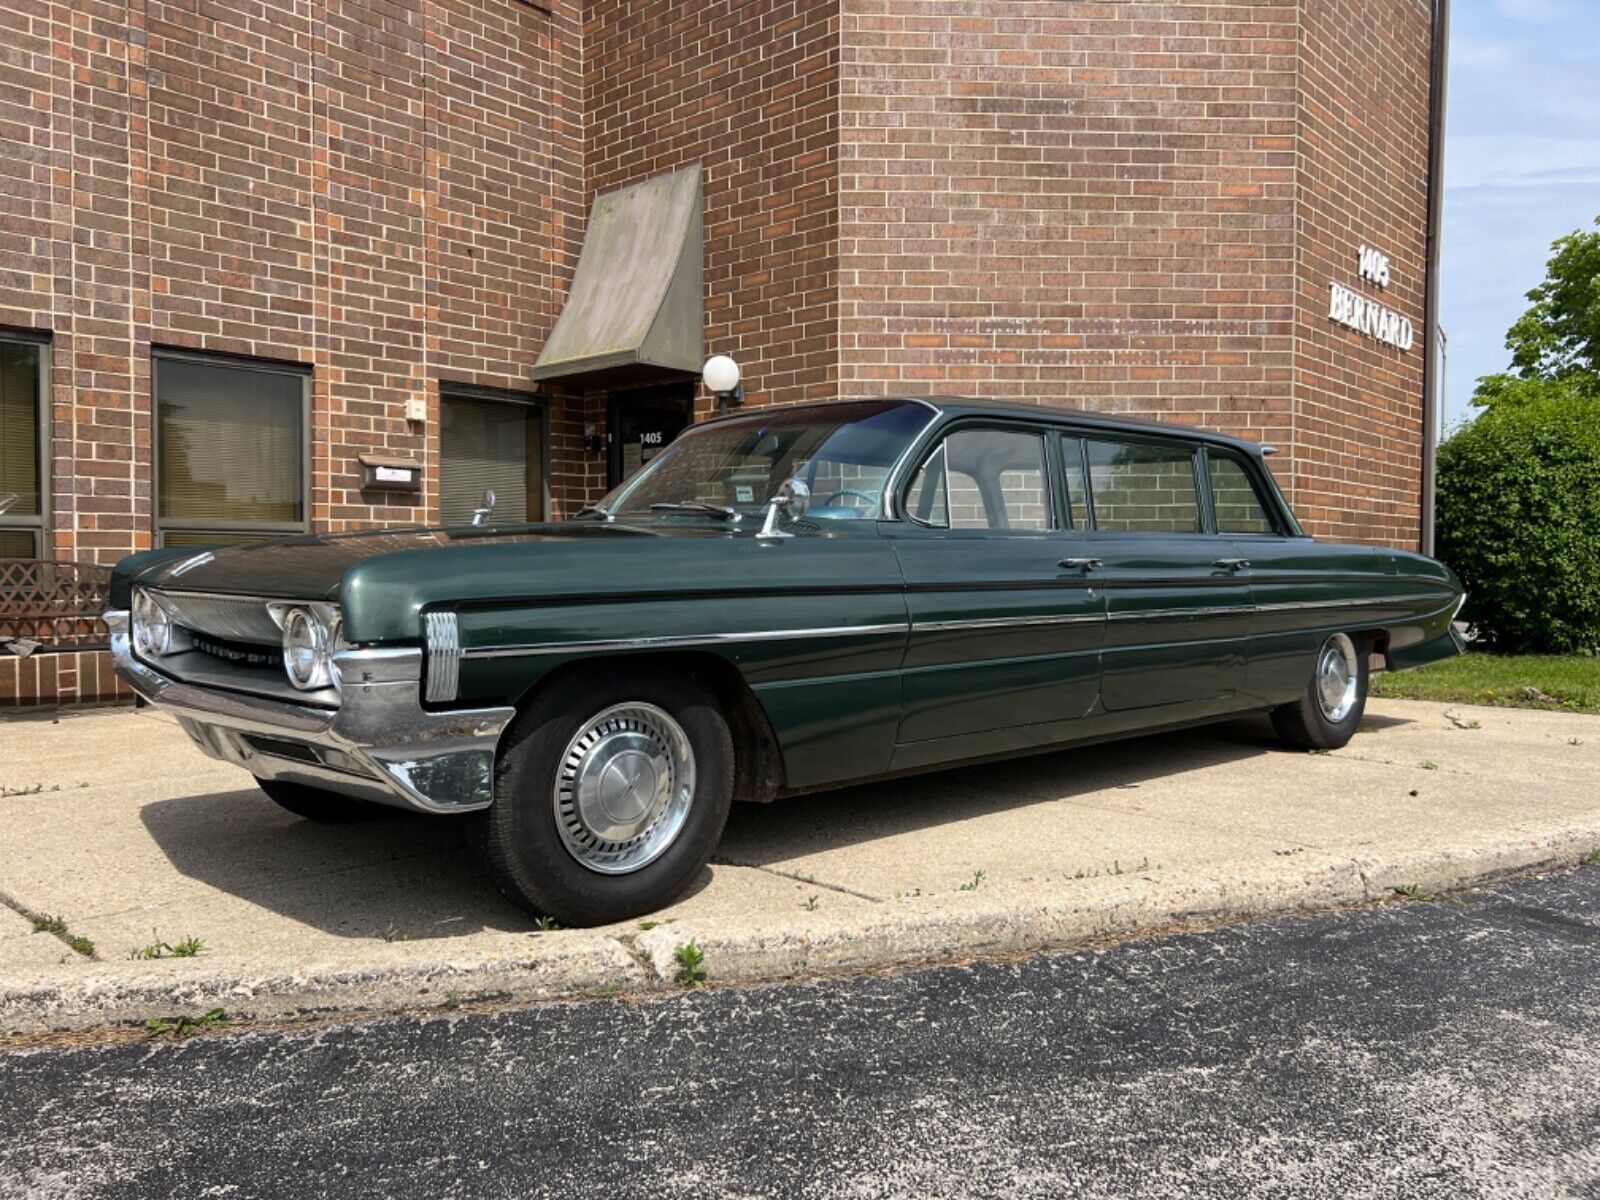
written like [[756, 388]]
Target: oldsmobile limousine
[[783, 600]]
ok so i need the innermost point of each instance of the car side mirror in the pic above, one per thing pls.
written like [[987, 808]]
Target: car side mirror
[[484, 512], [791, 500]]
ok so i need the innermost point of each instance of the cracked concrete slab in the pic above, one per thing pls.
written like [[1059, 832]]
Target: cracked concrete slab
[[113, 821]]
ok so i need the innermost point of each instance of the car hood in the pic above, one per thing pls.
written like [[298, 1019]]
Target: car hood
[[312, 567]]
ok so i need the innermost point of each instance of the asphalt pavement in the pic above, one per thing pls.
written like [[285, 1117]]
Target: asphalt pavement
[[1416, 1049]]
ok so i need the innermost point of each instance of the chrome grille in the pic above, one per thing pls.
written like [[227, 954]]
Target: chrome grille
[[232, 618], [444, 656]]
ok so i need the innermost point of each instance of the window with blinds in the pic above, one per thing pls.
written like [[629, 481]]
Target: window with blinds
[[230, 450], [21, 450], [487, 443]]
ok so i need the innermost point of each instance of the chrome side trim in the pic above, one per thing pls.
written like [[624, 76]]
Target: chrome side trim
[[443, 635], [1005, 622], [1219, 610], [675, 641], [1360, 602]]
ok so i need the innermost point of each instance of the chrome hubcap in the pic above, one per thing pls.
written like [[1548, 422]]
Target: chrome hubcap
[[624, 789], [1338, 678]]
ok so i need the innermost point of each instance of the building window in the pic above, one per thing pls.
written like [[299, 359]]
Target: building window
[[23, 427], [490, 441], [231, 450]]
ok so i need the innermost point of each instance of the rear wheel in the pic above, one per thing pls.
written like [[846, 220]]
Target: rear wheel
[[610, 795], [315, 804], [1329, 713]]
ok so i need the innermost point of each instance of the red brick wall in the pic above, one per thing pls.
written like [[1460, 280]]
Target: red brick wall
[[78, 677], [748, 89], [390, 191], [1363, 103], [1085, 204], [1130, 207]]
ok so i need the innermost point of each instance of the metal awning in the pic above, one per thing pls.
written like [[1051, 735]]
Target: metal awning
[[635, 309]]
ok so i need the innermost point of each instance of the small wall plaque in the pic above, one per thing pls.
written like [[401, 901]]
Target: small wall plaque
[[386, 474]]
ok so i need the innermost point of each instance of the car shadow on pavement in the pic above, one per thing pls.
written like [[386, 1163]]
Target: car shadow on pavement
[[791, 828], [413, 877]]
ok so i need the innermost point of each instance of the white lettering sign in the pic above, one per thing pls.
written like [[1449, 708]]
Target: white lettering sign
[[392, 475], [1356, 312], [1373, 266]]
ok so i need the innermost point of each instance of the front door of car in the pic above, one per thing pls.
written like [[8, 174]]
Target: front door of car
[[1179, 606], [1006, 622]]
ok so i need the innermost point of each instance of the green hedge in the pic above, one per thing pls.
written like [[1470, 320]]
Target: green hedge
[[1519, 520]]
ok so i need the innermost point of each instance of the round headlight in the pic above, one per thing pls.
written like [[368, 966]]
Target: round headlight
[[305, 650], [152, 628]]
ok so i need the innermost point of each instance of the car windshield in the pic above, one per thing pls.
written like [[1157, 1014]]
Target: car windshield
[[843, 453]]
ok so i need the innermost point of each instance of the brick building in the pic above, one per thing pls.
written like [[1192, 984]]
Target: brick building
[[262, 261]]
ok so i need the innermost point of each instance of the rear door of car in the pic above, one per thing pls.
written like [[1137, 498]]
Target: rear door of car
[[1301, 588], [1006, 623], [1179, 604]]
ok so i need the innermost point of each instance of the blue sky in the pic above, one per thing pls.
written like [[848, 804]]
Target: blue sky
[[1522, 166]]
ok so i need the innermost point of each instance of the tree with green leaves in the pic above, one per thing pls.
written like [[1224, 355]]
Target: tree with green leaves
[[1555, 345], [1519, 487]]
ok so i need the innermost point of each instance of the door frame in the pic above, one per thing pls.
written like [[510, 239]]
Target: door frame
[[618, 399]]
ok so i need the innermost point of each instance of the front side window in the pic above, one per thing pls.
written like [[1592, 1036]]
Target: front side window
[[843, 453], [487, 443], [984, 479], [230, 451], [21, 447], [1143, 487], [1234, 498]]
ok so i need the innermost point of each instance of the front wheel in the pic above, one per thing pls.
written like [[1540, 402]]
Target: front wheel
[[610, 795], [1327, 716]]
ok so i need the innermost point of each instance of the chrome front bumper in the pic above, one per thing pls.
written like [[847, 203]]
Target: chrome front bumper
[[380, 744]]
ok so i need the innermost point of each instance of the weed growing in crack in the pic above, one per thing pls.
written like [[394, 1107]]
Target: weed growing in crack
[[691, 965], [185, 1026]]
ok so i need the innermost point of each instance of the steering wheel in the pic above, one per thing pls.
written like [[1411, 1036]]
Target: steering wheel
[[827, 501]]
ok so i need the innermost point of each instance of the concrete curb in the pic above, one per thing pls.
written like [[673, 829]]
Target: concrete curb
[[986, 923]]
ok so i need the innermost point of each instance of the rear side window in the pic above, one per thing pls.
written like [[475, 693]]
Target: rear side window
[[984, 479], [1143, 487], [1238, 506]]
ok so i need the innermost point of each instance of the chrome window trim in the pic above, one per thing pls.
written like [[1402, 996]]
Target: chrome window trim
[[442, 633]]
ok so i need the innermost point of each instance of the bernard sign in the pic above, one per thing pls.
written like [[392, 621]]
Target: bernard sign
[[1354, 311]]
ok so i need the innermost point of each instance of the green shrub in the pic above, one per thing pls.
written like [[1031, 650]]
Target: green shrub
[[1519, 520]]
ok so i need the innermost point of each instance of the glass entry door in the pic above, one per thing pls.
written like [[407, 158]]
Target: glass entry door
[[642, 423]]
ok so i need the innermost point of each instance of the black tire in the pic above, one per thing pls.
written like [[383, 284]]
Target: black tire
[[315, 804], [525, 851], [1305, 724]]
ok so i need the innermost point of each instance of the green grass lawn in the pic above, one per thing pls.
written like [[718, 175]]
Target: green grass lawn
[[1569, 682]]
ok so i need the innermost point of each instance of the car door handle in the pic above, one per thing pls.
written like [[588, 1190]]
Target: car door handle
[[1232, 564], [1080, 564]]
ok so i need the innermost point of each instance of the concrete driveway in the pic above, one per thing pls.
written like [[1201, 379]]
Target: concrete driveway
[[113, 823]]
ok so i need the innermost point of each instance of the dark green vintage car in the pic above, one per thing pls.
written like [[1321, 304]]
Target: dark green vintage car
[[784, 600]]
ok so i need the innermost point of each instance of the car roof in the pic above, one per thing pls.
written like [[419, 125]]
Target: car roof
[[966, 406]]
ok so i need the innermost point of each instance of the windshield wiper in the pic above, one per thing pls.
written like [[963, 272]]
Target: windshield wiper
[[716, 510], [594, 510]]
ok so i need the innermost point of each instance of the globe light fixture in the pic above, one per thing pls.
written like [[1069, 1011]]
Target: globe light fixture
[[721, 376]]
